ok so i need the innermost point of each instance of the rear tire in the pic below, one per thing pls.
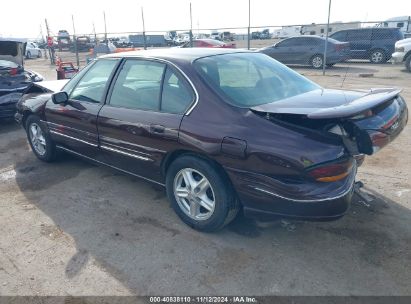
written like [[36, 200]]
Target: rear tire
[[28, 56], [40, 141], [378, 56], [408, 63], [39, 54], [200, 194], [317, 61]]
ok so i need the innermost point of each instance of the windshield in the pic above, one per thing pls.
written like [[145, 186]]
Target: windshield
[[251, 79]]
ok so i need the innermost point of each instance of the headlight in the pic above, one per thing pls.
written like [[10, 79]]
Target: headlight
[[400, 49], [38, 78]]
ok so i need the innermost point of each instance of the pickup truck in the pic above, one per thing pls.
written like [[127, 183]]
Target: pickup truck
[[403, 53]]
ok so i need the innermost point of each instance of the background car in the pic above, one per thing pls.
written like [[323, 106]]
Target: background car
[[32, 50], [209, 43], [375, 44], [270, 142], [14, 79], [308, 50], [403, 53]]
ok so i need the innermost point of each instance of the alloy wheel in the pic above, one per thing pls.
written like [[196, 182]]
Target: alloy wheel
[[317, 62], [194, 194], [37, 139], [377, 57]]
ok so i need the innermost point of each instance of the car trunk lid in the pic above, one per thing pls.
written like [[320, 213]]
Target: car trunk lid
[[367, 121]]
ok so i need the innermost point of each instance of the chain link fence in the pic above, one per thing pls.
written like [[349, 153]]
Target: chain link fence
[[305, 46]]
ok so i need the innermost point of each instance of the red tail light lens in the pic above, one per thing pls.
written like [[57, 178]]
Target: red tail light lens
[[13, 71], [331, 172]]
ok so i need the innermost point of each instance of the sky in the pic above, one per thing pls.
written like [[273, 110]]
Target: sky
[[163, 15]]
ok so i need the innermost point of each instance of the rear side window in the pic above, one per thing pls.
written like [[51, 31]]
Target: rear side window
[[358, 35], [177, 94], [340, 36], [138, 85], [289, 42], [92, 85], [382, 34]]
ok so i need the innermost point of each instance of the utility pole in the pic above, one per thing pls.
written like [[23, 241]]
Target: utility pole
[[51, 48], [326, 38], [75, 42], [191, 27], [249, 24], [105, 28], [95, 35], [144, 29]]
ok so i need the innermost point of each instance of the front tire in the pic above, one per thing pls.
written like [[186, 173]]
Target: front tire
[[40, 141], [200, 194], [408, 63]]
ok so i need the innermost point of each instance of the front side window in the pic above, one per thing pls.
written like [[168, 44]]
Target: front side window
[[92, 85], [359, 35], [251, 79], [138, 85]]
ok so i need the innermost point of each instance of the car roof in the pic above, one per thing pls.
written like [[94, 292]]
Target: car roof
[[171, 54], [369, 28]]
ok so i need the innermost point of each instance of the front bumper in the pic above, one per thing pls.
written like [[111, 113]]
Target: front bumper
[[398, 57]]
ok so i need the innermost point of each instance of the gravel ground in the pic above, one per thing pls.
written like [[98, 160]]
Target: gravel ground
[[72, 228]]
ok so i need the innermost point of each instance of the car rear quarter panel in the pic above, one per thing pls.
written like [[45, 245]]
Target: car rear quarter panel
[[275, 156]]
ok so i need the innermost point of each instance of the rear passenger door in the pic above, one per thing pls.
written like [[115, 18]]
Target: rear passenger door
[[140, 122], [360, 43]]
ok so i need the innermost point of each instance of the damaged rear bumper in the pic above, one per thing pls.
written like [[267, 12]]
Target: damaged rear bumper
[[262, 199]]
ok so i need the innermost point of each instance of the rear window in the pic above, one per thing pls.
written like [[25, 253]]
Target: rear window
[[251, 79]]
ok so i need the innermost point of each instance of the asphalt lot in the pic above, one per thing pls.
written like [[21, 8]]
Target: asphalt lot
[[73, 228]]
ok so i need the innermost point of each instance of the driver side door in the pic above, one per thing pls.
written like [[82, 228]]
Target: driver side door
[[74, 125]]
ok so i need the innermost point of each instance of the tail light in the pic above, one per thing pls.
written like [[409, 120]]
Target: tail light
[[13, 71], [332, 172]]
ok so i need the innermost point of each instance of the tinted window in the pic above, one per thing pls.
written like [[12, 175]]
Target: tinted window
[[92, 86], [263, 79], [341, 36], [177, 95], [358, 35], [138, 85], [382, 34], [288, 42]]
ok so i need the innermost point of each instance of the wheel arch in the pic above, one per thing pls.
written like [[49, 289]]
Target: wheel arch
[[172, 156], [407, 55]]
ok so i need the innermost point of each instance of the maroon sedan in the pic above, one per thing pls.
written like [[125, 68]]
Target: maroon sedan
[[221, 130], [209, 43]]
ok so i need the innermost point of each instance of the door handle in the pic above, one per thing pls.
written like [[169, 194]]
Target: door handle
[[157, 129]]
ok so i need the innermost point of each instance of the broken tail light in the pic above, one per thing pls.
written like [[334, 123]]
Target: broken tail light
[[332, 172]]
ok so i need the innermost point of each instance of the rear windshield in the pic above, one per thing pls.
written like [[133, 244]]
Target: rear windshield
[[251, 79]]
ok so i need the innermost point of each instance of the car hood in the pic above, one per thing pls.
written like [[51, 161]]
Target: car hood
[[12, 50], [403, 42], [52, 85], [327, 103]]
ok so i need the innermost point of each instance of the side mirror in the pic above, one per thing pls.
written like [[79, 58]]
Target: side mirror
[[60, 98]]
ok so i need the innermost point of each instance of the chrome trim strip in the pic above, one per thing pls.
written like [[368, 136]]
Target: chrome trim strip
[[113, 167], [125, 153], [305, 201], [73, 138]]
